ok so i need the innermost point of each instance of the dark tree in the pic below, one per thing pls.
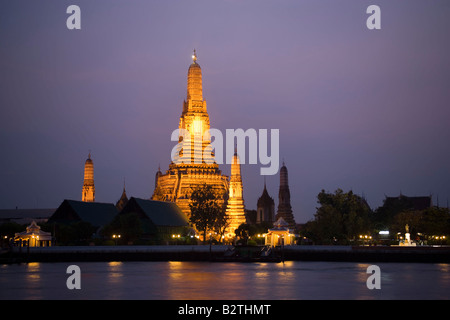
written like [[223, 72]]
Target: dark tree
[[435, 221], [127, 225], [341, 217], [75, 233], [243, 232], [221, 224], [207, 210]]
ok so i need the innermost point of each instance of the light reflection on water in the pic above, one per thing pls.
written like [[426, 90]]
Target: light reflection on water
[[33, 279], [239, 281]]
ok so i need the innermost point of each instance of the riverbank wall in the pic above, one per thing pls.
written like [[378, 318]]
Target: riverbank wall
[[368, 253], [116, 253], [215, 252]]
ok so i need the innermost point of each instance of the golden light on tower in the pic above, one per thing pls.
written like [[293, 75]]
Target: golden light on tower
[[193, 165], [235, 207], [198, 128], [88, 191]]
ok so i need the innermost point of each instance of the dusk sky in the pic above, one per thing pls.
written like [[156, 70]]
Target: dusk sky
[[358, 109]]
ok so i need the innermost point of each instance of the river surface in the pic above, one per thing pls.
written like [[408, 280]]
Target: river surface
[[213, 281]]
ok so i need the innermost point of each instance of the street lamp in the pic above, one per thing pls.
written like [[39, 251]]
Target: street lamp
[[115, 237], [175, 237]]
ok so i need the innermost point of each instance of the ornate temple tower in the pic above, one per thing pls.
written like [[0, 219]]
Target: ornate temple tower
[[235, 207], [284, 199], [265, 211], [193, 162], [88, 192]]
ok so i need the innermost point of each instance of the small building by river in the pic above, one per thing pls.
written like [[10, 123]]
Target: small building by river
[[280, 234], [33, 237]]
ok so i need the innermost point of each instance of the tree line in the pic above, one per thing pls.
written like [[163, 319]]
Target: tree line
[[346, 218], [341, 218]]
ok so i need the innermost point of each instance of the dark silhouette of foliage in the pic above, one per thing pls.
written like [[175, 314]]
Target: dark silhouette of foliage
[[207, 210]]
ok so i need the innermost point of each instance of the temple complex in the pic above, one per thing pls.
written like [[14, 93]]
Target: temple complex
[[193, 165], [193, 162], [88, 192]]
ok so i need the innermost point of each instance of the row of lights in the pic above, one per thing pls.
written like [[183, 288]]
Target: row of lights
[[387, 232], [177, 236], [174, 236]]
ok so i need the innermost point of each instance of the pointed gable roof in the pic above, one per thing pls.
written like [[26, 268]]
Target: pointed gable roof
[[96, 213], [280, 225], [265, 200], [120, 204], [161, 213]]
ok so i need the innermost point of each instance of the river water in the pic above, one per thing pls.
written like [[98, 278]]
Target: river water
[[213, 281]]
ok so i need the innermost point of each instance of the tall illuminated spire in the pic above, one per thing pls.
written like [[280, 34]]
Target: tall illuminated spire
[[193, 163], [235, 207], [88, 191], [194, 121], [194, 85]]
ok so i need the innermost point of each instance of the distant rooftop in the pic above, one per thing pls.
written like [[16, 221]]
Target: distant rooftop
[[25, 216], [413, 203], [96, 213]]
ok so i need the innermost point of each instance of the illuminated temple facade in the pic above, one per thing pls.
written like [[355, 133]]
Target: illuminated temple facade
[[193, 163]]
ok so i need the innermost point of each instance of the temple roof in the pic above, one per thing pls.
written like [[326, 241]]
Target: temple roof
[[35, 230], [280, 225], [409, 203], [120, 204], [96, 213], [161, 213], [22, 216], [265, 199]]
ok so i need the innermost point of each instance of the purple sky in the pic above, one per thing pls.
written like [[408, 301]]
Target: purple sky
[[367, 110]]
